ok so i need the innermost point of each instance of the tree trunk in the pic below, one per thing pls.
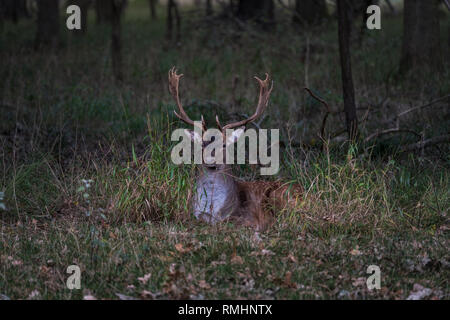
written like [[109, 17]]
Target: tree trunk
[[209, 10], [258, 10], [152, 5], [310, 12], [346, 69], [172, 9], [84, 7], [421, 45], [14, 10], [103, 10], [47, 23], [116, 39]]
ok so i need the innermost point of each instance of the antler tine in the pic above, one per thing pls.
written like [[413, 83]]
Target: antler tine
[[218, 123], [263, 101], [174, 79]]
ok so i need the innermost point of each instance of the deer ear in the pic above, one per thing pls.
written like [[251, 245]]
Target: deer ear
[[194, 136], [234, 137]]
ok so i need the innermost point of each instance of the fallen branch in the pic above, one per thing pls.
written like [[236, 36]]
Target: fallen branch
[[426, 143], [422, 106], [391, 130]]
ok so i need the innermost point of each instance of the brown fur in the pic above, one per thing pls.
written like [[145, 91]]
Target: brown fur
[[262, 201]]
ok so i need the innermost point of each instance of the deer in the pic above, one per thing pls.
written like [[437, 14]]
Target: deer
[[219, 196]]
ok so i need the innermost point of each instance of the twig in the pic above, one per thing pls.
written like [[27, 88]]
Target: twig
[[426, 143]]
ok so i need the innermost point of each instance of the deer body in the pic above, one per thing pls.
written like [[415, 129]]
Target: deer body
[[216, 196], [219, 195]]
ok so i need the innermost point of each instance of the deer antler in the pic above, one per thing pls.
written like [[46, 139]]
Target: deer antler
[[265, 88], [174, 79]]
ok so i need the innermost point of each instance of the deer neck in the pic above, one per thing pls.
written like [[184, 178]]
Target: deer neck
[[216, 195]]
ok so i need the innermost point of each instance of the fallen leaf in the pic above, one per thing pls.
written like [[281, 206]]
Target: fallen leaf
[[292, 258], [356, 251], [265, 252], [359, 281], [204, 285], [17, 263], [419, 292], [33, 294], [145, 278], [288, 280]]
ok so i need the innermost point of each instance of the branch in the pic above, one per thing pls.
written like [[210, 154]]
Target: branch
[[391, 130], [422, 106], [324, 120], [447, 4], [426, 143]]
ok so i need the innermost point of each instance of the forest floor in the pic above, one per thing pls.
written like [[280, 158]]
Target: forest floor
[[86, 177]]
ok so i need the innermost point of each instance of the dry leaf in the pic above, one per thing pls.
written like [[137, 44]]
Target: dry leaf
[[145, 278], [359, 281], [204, 285], [419, 292], [265, 252], [356, 252], [33, 294], [235, 259], [292, 258]]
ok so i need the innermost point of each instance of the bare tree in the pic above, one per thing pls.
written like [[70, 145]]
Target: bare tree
[[343, 10], [47, 33], [421, 45]]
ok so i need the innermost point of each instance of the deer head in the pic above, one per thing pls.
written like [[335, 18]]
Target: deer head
[[218, 194]]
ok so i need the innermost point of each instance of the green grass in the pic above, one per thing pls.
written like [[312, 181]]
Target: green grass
[[64, 119]]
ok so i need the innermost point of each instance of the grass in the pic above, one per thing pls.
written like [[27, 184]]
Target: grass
[[64, 120]]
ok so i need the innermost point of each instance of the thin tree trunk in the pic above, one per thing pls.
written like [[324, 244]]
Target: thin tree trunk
[[103, 10], [346, 69], [421, 42], [116, 39], [209, 10], [172, 9], [47, 23], [152, 5], [84, 7], [169, 20]]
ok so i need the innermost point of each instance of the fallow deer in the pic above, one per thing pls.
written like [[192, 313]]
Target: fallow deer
[[219, 195]]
